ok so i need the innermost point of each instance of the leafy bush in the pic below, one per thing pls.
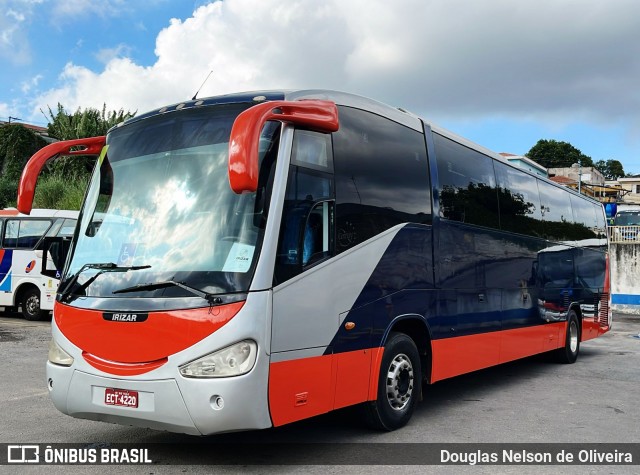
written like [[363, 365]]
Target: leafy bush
[[8, 192], [59, 192]]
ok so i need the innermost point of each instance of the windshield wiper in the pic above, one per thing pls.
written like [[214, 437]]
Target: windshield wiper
[[102, 267], [212, 299]]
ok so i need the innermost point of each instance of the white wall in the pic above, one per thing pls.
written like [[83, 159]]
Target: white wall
[[624, 262]]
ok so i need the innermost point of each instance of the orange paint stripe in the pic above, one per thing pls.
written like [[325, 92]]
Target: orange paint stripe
[[460, 355], [161, 335], [122, 369], [9, 212], [300, 388]]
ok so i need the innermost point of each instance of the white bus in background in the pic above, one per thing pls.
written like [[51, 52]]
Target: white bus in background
[[22, 239]]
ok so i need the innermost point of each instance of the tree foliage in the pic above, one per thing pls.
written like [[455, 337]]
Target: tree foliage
[[81, 124], [17, 144], [64, 180], [611, 169], [554, 154], [85, 123]]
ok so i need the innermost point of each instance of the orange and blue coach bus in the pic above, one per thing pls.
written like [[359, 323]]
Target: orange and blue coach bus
[[250, 260]]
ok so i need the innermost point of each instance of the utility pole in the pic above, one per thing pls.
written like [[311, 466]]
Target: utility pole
[[14, 118]]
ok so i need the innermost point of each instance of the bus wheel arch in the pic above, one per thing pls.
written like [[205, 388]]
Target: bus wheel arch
[[29, 298], [406, 354], [568, 353]]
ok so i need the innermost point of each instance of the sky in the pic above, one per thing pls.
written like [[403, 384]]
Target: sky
[[502, 73]]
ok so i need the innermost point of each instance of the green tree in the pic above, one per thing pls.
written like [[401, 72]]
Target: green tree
[[81, 124], [17, 144], [85, 123], [611, 169], [554, 154]]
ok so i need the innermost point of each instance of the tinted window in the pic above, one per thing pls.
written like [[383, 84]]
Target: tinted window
[[519, 201], [307, 222], [601, 223], [467, 184], [627, 218], [382, 176], [556, 212], [584, 217], [312, 150]]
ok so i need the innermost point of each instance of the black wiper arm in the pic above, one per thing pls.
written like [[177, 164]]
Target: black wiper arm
[[102, 267], [213, 299]]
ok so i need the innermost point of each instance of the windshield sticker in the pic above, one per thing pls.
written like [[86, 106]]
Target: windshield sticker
[[127, 254], [239, 258]]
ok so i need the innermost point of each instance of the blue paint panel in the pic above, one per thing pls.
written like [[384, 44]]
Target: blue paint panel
[[407, 265], [625, 299], [5, 283], [483, 281], [5, 270]]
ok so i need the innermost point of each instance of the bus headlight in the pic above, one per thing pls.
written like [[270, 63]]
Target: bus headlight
[[58, 356], [231, 361]]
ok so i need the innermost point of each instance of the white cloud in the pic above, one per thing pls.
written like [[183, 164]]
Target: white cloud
[[106, 55], [26, 86], [71, 9], [14, 45], [560, 60]]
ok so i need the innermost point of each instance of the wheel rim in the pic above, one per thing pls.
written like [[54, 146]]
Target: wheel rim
[[32, 304], [399, 382], [573, 336]]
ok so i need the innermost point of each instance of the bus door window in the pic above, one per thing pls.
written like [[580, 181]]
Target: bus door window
[[318, 240], [306, 230]]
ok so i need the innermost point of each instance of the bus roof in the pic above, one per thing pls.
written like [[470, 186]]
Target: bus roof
[[399, 115]]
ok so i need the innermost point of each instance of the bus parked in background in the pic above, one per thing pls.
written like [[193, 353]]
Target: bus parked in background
[[22, 283], [250, 260]]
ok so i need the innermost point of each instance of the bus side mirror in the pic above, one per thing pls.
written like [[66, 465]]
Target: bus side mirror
[[54, 254], [316, 115], [27, 186]]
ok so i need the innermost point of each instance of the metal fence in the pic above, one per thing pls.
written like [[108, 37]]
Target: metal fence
[[624, 234]]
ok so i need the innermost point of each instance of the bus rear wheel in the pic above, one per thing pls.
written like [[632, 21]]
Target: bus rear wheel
[[31, 305], [569, 353], [399, 385]]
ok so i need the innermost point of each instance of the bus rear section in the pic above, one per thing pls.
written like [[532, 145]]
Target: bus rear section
[[247, 261], [22, 244]]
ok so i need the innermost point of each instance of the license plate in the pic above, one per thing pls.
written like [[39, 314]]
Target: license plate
[[120, 397]]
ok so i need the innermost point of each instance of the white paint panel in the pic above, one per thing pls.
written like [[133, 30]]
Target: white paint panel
[[306, 308]]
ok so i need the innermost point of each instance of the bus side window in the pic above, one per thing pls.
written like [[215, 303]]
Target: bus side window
[[31, 231], [11, 233], [467, 184], [68, 227]]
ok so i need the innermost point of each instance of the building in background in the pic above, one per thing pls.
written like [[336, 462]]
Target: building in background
[[41, 131], [525, 163], [630, 189]]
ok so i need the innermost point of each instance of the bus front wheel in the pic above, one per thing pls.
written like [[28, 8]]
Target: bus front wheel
[[569, 353], [31, 305], [399, 385]]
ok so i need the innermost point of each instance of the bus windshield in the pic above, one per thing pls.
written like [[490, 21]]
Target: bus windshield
[[159, 208]]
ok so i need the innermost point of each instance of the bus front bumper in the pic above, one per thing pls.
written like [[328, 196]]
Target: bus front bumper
[[191, 406]]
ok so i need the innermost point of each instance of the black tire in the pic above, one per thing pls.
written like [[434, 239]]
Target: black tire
[[569, 353], [31, 305], [399, 385]]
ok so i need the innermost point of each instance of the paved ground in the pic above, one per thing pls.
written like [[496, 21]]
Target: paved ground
[[529, 401]]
